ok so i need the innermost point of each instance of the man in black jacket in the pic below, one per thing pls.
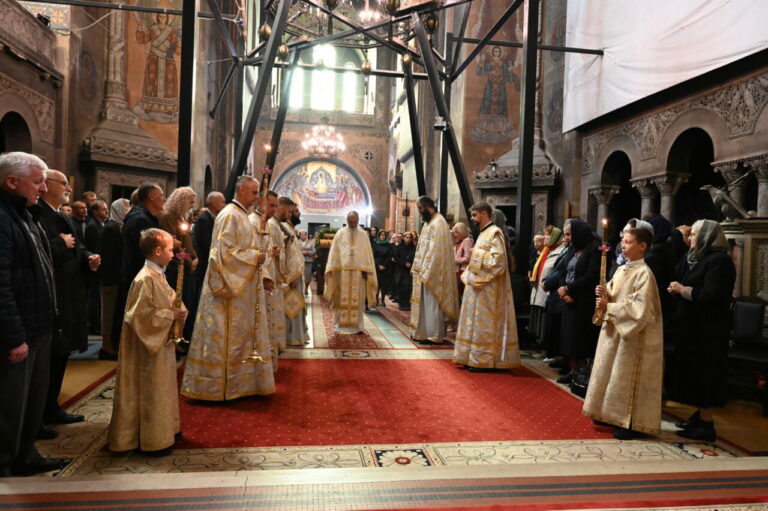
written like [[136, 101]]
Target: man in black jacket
[[202, 232], [27, 310], [143, 216], [72, 264]]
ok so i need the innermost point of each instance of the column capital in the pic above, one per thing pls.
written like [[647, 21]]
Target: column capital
[[604, 194], [669, 183], [730, 171], [760, 166], [646, 187]]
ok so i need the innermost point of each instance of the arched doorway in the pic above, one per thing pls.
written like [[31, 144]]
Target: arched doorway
[[692, 153], [625, 204], [325, 190], [14, 134]]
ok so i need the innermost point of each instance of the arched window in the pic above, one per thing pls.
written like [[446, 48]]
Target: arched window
[[352, 92]]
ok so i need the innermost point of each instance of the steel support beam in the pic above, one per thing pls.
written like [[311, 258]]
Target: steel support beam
[[223, 88], [386, 73], [129, 7], [461, 28], [282, 111], [524, 216], [413, 119], [223, 31], [442, 194], [240, 158], [545, 47], [449, 135], [492, 32], [186, 92]]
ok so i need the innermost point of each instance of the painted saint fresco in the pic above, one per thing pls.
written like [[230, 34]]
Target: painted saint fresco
[[322, 188], [493, 123]]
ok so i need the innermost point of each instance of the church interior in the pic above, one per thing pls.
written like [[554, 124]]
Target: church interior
[[546, 110]]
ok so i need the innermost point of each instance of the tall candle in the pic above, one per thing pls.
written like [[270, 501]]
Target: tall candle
[[605, 231]]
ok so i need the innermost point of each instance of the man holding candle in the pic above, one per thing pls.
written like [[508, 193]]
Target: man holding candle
[[231, 318], [259, 219]]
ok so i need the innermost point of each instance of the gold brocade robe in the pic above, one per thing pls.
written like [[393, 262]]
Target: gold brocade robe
[[231, 319], [486, 336], [145, 414], [275, 304], [434, 267], [350, 256], [625, 384], [268, 271], [294, 257]]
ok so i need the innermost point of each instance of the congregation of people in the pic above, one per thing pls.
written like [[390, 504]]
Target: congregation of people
[[115, 270]]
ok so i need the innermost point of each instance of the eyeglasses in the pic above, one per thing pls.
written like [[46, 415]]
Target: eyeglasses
[[62, 182]]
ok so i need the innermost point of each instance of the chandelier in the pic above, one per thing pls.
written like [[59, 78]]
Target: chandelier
[[323, 142]]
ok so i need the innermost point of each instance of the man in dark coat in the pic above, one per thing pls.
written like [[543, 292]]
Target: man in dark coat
[[202, 232], [27, 310], [97, 215], [143, 216], [72, 264]]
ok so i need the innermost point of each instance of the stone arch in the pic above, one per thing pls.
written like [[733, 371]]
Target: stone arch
[[14, 133], [704, 119], [691, 154], [624, 201], [620, 143], [11, 103]]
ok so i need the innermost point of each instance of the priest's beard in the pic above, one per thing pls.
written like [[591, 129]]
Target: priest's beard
[[426, 215], [295, 220]]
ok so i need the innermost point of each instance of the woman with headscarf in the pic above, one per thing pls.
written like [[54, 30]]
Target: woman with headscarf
[[553, 247], [110, 276], [404, 259], [701, 326], [582, 274], [382, 252], [175, 213], [554, 307]]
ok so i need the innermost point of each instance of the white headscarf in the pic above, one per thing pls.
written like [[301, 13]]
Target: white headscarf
[[118, 210]]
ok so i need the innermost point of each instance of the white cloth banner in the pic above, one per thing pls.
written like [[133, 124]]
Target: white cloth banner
[[650, 46]]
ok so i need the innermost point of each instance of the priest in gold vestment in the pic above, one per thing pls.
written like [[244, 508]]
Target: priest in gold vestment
[[486, 336], [275, 303], [625, 385], [350, 276], [259, 221], [231, 321], [295, 332], [145, 414], [435, 295]]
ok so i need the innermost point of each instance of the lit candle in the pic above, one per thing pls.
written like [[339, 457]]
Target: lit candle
[[605, 231], [183, 229]]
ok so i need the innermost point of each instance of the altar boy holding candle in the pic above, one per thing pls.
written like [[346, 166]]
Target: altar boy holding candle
[[625, 385], [146, 409]]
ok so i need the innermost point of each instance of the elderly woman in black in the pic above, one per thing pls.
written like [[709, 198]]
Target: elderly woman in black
[[382, 253], [582, 274], [701, 324]]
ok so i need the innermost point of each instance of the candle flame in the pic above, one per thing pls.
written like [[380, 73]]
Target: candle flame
[[605, 222], [184, 227], [267, 147]]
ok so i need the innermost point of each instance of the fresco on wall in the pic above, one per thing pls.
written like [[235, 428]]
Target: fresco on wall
[[322, 188], [492, 87], [153, 60]]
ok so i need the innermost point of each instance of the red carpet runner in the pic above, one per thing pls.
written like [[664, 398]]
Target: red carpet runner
[[353, 402]]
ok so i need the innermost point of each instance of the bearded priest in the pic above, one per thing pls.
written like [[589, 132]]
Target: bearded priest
[[435, 295], [350, 276], [486, 337], [231, 323]]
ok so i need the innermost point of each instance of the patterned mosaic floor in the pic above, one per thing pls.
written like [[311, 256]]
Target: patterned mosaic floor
[[84, 443]]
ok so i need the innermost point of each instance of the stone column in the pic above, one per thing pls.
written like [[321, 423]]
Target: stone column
[[603, 196], [668, 184], [648, 195], [760, 166], [731, 172]]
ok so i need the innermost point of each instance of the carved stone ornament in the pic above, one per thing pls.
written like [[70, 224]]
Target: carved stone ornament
[[761, 263], [739, 105], [604, 194], [43, 107], [287, 148], [645, 187], [369, 154], [496, 174], [110, 149], [106, 178], [540, 205], [670, 183], [19, 26]]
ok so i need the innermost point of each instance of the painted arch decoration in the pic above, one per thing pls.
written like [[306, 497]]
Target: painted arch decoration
[[324, 188]]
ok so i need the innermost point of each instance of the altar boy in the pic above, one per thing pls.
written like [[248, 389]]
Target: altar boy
[[145, 415], [625, 384]]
